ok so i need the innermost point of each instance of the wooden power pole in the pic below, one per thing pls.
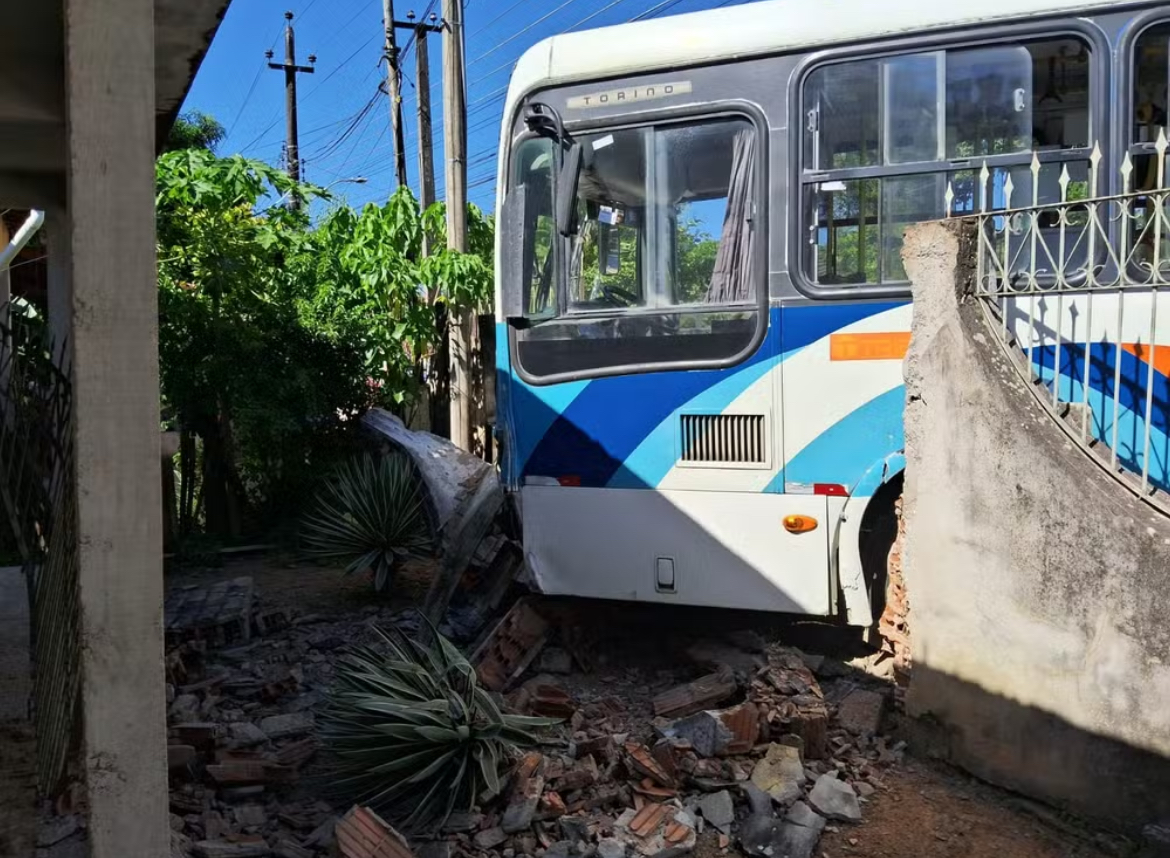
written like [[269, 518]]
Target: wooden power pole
[[455, 143], [426, 142], [394, 90], [291, 70], [426, 155]]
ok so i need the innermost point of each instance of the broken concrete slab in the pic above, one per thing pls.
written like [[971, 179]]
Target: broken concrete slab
[[835, 799], [287, 726], [528, 785], [245, 734], [250, 815], [803, 815], [795, 841], [780, 774], [705, 732], [575, 828], [861, 712], [490, 838], [758, 832], [716, 732], [609, 847], [718, 810]]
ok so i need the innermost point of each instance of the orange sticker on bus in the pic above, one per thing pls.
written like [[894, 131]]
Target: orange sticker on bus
[[886, 346]]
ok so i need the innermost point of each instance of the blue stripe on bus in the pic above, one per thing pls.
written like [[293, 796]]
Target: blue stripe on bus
[[1131, 418], [652, 460], [847, 449], [610, 418]]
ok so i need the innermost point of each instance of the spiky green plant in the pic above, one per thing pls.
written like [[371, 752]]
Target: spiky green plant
[[370, 515], [414, 735]]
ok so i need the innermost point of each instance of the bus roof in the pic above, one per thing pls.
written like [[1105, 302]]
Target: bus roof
[[772, 26]]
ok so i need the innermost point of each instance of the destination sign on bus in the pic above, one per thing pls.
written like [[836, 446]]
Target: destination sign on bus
[[629, 94]]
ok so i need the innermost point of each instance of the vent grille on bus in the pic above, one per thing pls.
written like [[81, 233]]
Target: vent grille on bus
[[731, 439]]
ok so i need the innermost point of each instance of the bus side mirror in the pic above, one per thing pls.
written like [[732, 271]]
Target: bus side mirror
[[517, 236], [570, 178]]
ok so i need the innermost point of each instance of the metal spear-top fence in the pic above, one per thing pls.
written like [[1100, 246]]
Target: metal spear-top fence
[[1075, 279], [39, 501]]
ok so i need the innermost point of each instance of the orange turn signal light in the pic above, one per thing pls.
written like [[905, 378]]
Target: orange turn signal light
[[799, 523]]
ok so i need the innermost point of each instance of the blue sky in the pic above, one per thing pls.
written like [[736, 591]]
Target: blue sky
[[344, 122]]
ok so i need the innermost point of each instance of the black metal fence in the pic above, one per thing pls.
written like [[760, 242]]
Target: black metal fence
[[40, 507]]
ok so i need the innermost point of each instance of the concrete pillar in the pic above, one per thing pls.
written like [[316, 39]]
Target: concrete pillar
[[60, 284], [109, 65]]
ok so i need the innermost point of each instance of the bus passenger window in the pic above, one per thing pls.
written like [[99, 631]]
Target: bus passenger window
[[918, 123], [1151, 64]]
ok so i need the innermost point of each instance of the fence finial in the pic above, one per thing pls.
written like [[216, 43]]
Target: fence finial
[[1094, 167], [1035, 178], [984, 175], [1063, 182], [1126, 174], [949, 196], [1160, 147]]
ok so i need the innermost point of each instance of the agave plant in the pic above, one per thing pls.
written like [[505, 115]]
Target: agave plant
[[370, 515], [414, 735]]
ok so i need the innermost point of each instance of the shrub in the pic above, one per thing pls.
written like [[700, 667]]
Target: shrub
[[413, 733], [369, 516]]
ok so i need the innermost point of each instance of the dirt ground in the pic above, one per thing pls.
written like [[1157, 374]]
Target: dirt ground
[[929, 811], [926, 809]]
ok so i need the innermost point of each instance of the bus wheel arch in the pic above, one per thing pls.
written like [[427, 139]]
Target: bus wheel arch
[[866, 532]]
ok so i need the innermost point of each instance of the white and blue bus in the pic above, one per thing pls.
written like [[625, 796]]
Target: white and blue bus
[[702, 309]]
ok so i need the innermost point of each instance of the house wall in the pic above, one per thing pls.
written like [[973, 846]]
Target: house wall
[[1038, 585]]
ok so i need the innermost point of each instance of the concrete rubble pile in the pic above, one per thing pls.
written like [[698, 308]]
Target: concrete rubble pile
[[740, 746], [243, 684], [752, 755]]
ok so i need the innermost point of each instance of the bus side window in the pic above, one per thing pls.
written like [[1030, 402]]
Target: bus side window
[[534, 165], [1151, 62], [913, 122]]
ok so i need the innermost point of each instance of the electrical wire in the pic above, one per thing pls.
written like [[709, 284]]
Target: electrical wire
[[497, 18], [520, 32]]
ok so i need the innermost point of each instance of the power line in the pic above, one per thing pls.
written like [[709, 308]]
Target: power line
[[497, 18], [334, 145], [255, 80], [520, 32]]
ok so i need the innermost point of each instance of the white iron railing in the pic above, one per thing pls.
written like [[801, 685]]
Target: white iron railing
[[1075, 284]]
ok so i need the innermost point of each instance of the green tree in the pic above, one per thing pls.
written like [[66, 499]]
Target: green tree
[[274, 335], [249, 366], [370, 267], [195, 130]]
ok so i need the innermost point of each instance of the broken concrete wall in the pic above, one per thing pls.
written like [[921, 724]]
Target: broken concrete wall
[[1038, 584]]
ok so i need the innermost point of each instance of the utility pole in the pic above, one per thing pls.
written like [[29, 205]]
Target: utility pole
[[426, 142], [394, 90], [455, 139], [426, 156], [291, 70]]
